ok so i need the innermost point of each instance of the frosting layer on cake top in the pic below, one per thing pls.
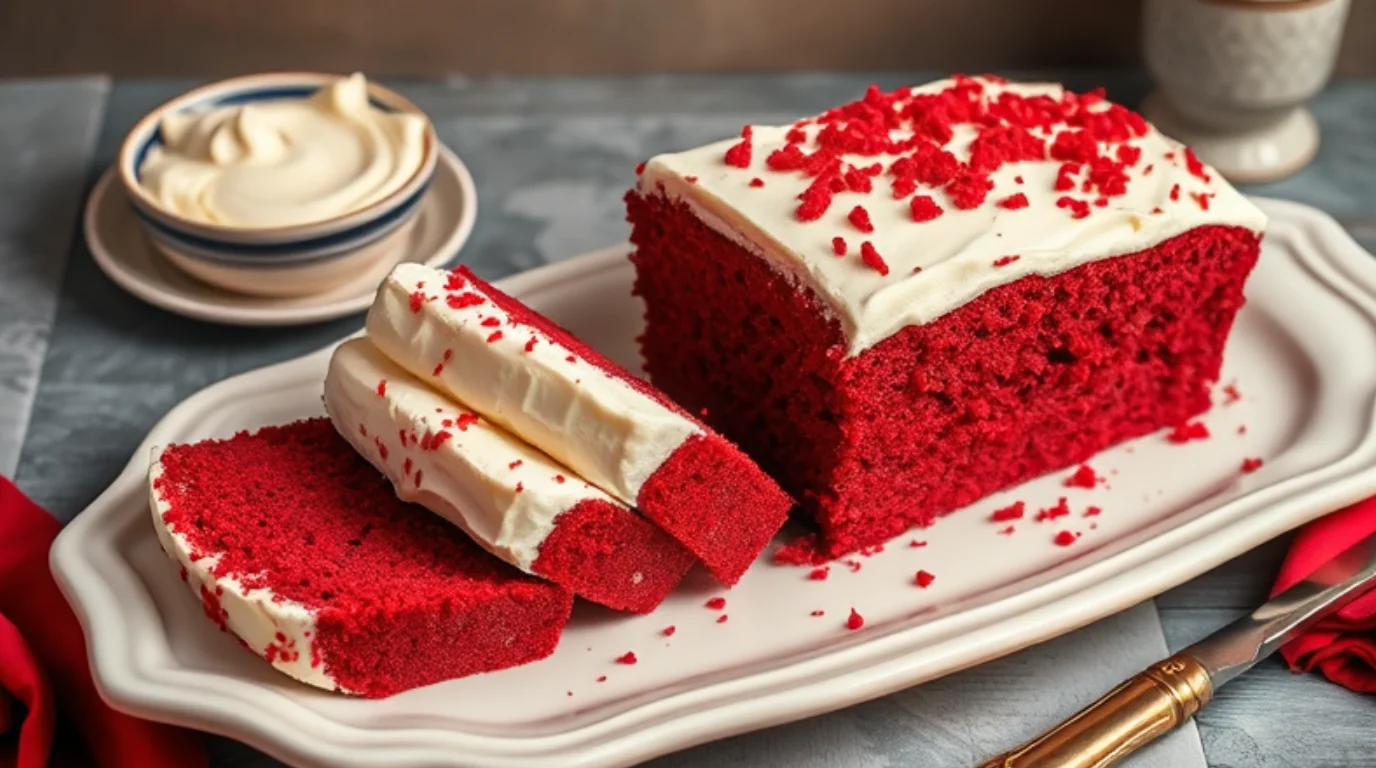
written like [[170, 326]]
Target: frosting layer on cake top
[[900, 207]]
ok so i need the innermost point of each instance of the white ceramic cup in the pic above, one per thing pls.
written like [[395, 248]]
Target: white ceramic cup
[[1233, 75]]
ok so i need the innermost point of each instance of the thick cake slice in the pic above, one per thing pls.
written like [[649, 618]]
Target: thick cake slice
[[301, 550], [510, 498], [522, 371], [916, 299]]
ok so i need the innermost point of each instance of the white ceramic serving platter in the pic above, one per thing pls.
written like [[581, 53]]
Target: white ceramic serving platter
[[121, 249], [1303, 355]]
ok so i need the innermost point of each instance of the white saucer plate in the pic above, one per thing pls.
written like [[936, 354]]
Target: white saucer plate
[[122, 250], [1303, 354]]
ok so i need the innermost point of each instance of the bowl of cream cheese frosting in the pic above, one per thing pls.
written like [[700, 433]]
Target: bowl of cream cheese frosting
[[280, 184]]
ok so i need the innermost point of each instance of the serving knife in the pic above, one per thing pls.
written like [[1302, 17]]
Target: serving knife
[[1169, 692]]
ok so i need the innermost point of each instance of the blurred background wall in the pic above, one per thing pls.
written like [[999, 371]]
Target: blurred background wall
[[426, 37]]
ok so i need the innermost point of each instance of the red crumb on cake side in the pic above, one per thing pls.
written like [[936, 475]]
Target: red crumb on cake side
[[320, 527]]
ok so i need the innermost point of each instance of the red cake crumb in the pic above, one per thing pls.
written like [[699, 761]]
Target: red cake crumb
[[853, 565], [803, 550], [382, 388], [924, 208], [757, 182], [1014, 202], [1093, 512], [1175, 192], [1004, 261], [819, 574], [466, 420], [716, 603], [1201, 199], [923, 579], [1006, 531], [818, 613], [838, 246], [463, 300], [860, 218], [1060, 509], [1194, 166], [640, 168], [627, 658], [1013, 511], [670, 630], [1184, 433], [915, 544], [417, 301], [559, 479], [721, 619], [1231, 394], [738, 155], [491, 322], [601, 678], [496, 335], [1064, 539], [1242, 429], [872, 258], [515, 464], [1250, 465], [691, 179], [377, 574], [1079, 209], [1083, 477], [855, 620]]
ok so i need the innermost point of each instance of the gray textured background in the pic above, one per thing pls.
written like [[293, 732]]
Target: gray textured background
[[86, 369]]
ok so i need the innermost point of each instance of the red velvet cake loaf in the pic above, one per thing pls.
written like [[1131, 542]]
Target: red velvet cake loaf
[[919, 298], [301, 550], [519, 369], [510, 498]]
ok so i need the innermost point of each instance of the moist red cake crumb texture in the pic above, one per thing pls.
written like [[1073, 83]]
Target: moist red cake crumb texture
[[1029, 377], [611, 557], [708, 494], [402, 598]]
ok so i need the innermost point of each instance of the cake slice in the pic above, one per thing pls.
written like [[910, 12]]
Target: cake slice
[[300, 549], [510, 498], [921, 297], [522, 371]]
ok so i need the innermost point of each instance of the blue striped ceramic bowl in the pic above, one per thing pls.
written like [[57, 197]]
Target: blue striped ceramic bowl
[[275, 261]]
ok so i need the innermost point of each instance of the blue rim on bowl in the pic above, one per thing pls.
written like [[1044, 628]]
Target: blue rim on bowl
[[261, 242]]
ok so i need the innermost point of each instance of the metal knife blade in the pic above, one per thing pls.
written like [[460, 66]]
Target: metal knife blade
[[1237, 647]]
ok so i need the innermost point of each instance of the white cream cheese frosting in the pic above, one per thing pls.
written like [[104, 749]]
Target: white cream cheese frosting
[[282, 631], [283, 162], [938, 265], [504, 493], [590, 420]]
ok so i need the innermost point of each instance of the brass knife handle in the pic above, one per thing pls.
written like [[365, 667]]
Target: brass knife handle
[[1126, 719]]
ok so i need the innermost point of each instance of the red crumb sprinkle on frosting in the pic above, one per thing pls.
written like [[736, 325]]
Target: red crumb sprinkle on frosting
[[819, 574], [860, 218], [1004, 261], [722, 619], [1231, 394], [924, 208], [817, 613], [738, 155], [716, 603], [1093, 512], [1083, 477], [872, 258], [382, 388], [838, 246], [1014, 202], [1013, 511], [915, 544], [1250, 465], [924, 579], [1064, 539], [1187, 432], [669, 630], [627, 658]]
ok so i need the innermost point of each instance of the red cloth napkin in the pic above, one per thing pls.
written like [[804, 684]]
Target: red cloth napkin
[[50, 713], [1343, 645]]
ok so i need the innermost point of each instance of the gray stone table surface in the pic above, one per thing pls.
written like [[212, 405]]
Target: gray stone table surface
[[86, 369]]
